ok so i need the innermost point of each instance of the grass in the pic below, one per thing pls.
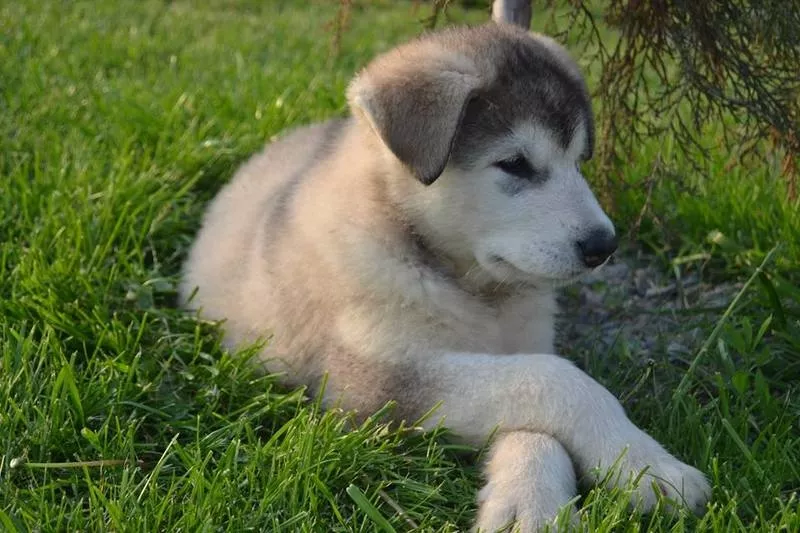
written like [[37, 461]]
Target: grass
[[118, 121]]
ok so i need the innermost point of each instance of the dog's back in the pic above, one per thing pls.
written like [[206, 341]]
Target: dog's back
[[257, 205]]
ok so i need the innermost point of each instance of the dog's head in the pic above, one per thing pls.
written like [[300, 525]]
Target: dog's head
[[493, 123]]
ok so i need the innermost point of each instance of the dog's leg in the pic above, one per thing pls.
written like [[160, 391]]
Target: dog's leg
[[548, 394], [529, 478]]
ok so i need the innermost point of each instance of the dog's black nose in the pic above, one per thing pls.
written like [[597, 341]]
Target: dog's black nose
[[598, 246]]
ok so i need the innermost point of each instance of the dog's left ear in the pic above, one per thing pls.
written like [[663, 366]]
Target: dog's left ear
[[416, 108]]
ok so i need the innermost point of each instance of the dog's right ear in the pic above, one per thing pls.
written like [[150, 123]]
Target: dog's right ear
[[415, 106]]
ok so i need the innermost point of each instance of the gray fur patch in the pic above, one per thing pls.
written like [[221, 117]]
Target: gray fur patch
[[532, 84], [367, 386]]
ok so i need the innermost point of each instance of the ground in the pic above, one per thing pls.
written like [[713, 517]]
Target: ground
[[120, 120]]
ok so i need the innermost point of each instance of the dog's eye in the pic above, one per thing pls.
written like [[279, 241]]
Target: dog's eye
[[518, 166]]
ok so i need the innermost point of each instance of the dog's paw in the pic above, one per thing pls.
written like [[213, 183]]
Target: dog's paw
[[654, 473], [530, 478], [511, 508]]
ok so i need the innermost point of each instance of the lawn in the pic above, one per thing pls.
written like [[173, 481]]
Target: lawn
[[118, 412]]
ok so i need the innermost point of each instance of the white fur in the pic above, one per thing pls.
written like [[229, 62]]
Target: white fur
[[530, 479], [547, 394], [543, 395], [342, 291], [535, 232]]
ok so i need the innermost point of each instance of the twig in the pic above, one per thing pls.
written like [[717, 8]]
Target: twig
[[20, 462], [396, 506]]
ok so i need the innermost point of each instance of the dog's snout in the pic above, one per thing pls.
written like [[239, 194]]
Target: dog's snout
[[597, 247]]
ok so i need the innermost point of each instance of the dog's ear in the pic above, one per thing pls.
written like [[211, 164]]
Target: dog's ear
[[416, 108]]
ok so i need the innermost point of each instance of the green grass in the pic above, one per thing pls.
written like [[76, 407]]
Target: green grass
[[119, 120]]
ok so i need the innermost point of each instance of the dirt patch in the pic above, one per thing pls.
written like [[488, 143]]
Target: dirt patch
[[634, 300]]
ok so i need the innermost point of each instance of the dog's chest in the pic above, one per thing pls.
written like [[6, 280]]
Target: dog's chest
[[527, 323], [524, 324]]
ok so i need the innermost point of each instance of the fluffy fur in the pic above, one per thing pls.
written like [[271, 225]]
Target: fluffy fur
[[411, 253]]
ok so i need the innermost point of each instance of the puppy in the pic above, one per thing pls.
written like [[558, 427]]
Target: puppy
[[411, 253]]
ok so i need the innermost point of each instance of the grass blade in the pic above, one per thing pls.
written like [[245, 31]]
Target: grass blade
[[680, 390], [370, 510]]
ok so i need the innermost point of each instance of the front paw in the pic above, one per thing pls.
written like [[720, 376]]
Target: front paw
[[530, 478], [654, 473]]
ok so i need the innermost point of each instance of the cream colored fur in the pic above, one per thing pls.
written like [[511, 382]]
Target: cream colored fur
[[363, 251]]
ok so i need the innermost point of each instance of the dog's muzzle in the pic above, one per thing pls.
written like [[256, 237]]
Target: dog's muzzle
[[597, 247]]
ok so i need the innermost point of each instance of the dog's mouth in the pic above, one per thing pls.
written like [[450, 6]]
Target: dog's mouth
[[507, 271]]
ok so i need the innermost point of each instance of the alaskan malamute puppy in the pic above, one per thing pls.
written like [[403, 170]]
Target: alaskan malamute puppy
[[411, 253]]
